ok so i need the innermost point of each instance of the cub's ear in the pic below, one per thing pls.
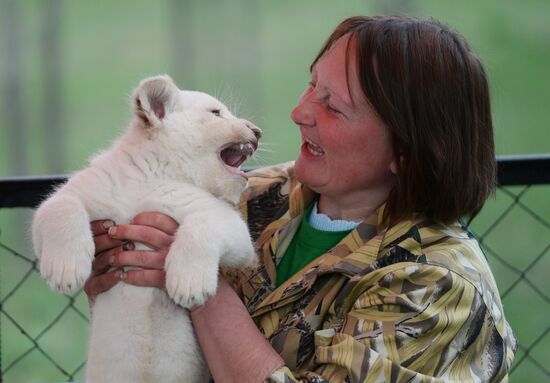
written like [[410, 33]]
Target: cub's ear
[[154, 99]]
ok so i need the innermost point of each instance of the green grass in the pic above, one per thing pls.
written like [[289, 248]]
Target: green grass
[[255, 56]]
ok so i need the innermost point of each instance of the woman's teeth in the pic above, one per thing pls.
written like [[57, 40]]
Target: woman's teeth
[[314, 149]]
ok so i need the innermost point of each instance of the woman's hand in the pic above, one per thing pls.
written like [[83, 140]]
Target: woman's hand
[[115, 249]]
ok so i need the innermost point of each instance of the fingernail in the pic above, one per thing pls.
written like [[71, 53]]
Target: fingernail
[[107, 224], [128, 245], [112, 231], [120, 274]]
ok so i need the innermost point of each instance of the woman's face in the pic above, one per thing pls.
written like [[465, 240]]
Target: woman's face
[[346, 151]]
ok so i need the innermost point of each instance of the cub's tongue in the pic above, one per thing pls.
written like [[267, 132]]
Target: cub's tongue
[[232, 157]]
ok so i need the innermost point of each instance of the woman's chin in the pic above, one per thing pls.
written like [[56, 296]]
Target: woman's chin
[[308, 174]]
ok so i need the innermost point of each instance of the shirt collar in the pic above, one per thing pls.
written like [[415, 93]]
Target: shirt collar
[[342, 257]]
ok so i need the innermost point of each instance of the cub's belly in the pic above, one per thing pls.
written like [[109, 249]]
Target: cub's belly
[[139, 335]]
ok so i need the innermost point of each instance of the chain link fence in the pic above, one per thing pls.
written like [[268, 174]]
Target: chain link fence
[[43, 334]]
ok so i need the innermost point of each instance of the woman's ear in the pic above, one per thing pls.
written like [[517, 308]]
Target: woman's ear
[[395, 165], [154, 99]]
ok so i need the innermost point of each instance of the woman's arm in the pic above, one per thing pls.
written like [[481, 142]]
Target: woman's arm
[[407, 321], [234, 348]]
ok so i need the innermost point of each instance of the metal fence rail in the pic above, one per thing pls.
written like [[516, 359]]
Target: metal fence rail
[[513, 229]]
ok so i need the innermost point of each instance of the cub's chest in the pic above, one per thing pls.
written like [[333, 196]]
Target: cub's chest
[[125, 200]]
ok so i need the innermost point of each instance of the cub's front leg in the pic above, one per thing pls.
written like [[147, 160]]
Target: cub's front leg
[[203, 241], [63, 241]]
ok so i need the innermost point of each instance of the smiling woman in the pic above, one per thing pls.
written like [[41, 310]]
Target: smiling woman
[[346, 155], [364, 269]]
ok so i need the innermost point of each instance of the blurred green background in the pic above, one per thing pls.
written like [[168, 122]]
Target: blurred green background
[[68, 68]]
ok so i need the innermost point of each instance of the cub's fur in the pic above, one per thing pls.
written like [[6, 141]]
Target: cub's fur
[[180, 156]]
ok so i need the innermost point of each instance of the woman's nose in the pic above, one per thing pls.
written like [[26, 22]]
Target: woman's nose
[[302, 114]]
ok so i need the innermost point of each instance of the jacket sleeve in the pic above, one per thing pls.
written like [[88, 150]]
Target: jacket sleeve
[[408, 322]]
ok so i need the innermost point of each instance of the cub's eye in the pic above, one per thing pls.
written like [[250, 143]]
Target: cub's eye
[[216, 112]]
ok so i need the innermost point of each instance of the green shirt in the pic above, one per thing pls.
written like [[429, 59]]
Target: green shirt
[[308, 243]]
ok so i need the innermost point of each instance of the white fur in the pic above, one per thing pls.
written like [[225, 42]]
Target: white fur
[[167, 161]]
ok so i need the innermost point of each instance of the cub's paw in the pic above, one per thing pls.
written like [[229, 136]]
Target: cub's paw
[[66, 271], [190, 282]]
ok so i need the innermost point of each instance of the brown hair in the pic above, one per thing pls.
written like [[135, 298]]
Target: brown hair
[[432, 93]]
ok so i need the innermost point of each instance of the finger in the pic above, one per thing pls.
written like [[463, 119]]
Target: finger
[[104, 242], [151, 236], [101, 283], [139, 258], [101, 226], [102, 261], [148, 278], [157, 220]]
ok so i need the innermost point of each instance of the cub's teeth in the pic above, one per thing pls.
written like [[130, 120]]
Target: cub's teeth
[[241, 146]]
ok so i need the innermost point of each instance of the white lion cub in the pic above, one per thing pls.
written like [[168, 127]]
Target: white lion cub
[[180, 156]]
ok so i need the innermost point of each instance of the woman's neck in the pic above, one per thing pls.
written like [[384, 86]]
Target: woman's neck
[[348, 209]]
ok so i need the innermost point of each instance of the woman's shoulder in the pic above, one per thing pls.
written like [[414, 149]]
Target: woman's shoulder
[[451, 246], [450, 257], [261, 180], [283, 169], [454, 248], [266, 196]]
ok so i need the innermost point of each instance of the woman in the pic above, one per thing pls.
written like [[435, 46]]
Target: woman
[[365, 272]]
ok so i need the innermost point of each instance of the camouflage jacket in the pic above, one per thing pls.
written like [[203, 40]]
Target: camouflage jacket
[[413, 303]]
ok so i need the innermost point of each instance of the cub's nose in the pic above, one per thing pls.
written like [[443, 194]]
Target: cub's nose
[[257, 131]]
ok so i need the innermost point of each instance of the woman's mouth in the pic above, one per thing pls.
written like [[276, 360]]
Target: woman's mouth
[[312, 148]]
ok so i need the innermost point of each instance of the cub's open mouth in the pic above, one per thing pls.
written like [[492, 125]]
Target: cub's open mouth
[[233, 155]]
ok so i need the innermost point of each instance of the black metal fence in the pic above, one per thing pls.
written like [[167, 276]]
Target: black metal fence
[[43, 334]]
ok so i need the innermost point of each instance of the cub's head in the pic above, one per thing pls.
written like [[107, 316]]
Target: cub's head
[[193, 136]]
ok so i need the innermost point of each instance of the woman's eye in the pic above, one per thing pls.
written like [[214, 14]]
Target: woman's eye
[[333, 110], [216, 112]]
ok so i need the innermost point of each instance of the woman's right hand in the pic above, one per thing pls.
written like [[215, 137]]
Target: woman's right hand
[[115, 249]]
